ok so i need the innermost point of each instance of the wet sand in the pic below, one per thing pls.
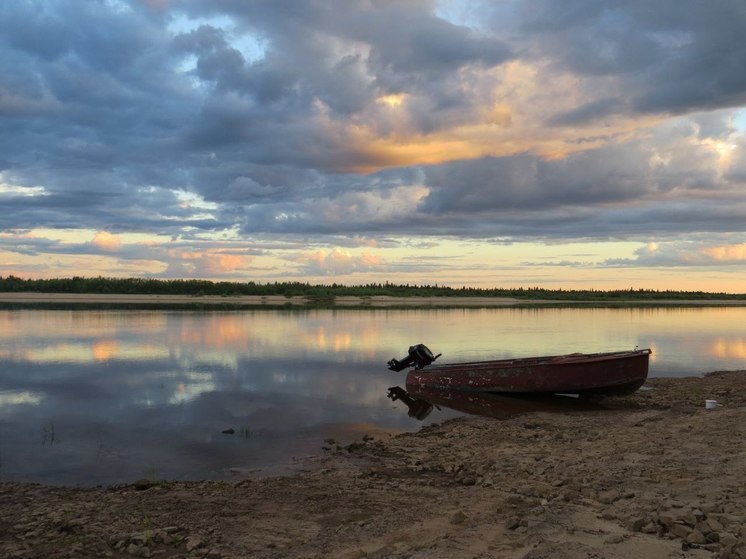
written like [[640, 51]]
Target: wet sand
[[652, 474]]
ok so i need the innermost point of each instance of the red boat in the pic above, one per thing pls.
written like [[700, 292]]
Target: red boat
[[618, 372]]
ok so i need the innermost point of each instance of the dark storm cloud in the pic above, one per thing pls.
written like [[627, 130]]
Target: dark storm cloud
[[130, 209], [589, 111], [611, 174], [670, 56], [666, 183], [340, 54], [107, 106], [404, 39], [116, 109]]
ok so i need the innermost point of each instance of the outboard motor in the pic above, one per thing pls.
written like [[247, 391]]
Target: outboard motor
[[419, 356]]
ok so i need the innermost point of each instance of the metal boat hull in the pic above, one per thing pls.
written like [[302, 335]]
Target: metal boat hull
[[612, 373]]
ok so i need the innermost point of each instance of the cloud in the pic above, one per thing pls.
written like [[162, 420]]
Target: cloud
[[732, 254], [338, 262], [106, 241], [203, 264], [361, 211], [346, 122], [673, 57], [669, 157], [688, 253]]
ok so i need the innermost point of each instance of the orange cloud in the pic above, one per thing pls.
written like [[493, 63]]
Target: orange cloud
[[106, 241], [504, 113], [219, 263], [727, 253], [340, 261], [208, 263]]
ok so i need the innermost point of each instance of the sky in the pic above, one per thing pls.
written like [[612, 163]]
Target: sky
[[538, 143]]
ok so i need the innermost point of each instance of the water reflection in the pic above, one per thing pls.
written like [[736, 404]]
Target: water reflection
[[733, 348], [420, 402], [419, 408], [127, 392], [223, 337], [16, 398]]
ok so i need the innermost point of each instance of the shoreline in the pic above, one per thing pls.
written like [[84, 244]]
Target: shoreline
[[653, 474], [32, 299]]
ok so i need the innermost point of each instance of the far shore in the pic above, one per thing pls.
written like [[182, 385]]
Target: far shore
[[32, 299]]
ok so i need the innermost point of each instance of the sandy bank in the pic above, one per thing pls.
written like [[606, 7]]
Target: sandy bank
[[651, 475]]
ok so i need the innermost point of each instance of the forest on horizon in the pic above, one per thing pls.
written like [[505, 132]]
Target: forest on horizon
[[197, 287]]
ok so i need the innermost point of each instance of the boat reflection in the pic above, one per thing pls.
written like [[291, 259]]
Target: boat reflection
[[499, 406], [418, 407]]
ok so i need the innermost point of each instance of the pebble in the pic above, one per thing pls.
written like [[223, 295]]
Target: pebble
[[513, 523], [569, 495], [728, 539], [679, 530], [193, 542], [609, 497], [688, 519]]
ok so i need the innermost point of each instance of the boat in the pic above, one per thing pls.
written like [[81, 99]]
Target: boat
[[603, 374]]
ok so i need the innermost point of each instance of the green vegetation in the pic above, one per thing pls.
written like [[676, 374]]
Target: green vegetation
[[199, 288]]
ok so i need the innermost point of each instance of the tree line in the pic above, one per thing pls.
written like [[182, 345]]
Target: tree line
[[196, 287]]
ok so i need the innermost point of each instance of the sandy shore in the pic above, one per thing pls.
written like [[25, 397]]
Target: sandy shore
[[113, 298], [279, 300], [649, 475]]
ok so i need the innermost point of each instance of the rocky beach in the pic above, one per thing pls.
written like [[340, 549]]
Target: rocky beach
[[653, 474]]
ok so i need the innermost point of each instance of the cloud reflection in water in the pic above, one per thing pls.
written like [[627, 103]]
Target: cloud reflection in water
[[125, 393]]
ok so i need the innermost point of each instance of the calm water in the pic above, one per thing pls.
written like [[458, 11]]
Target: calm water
[[89, 397]]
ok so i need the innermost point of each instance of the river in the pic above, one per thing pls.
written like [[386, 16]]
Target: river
[[100, 397]]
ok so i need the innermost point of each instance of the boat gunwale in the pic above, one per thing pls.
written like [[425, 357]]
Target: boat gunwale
[[550, 360]]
